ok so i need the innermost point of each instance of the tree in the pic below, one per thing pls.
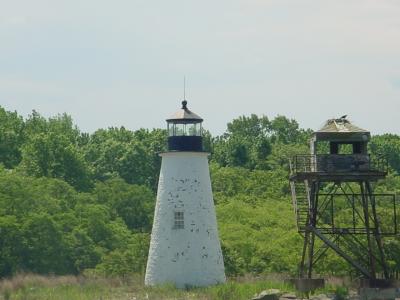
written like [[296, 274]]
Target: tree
[[388, 146], [252, 126], [82, 250], [133, 203], [287, 131], [71, 201], [126, 261], [43, 246], [52, 149], [245, 144], [132, 156], [59, 125], [11, 138], [52, 155], [10, 246]]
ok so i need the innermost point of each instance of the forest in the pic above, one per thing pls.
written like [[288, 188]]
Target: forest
[[78, 203]]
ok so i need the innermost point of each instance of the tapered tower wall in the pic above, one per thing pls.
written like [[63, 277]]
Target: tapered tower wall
[[185, 248]]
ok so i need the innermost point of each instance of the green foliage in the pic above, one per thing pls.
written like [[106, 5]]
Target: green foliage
[[281, 154], [43, 246], [72, 202], [52, 155], [341, 293], [249, 142], [48, 227], [52, 149], [387, 145], [258, 238], [228, 182], [84, 252], [133, 203], [11, 138], [10, 245], [128, 260], [132, 156], [246, 143]]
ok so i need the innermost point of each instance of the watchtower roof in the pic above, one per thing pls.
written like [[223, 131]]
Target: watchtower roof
[[341, 130], [184, 115]]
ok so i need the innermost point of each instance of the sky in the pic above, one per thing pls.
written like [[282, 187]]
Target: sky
[[122, 62]]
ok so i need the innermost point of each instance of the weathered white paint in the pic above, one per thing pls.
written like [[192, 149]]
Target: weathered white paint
[[191, 256]]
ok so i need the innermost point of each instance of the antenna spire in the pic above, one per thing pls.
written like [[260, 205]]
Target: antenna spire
[[184, 87]]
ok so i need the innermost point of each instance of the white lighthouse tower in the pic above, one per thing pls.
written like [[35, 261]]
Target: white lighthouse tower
[[185, 248]]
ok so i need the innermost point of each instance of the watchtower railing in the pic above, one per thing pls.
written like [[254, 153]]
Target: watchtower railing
[[338, 163]]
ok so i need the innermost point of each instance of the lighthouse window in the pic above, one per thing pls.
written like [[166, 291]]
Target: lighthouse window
[[184, 129], [170, 129], [180, 129], [194, 129], [179, 221]]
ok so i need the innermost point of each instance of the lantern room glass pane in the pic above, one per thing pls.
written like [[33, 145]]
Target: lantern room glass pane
[[193, 129], [170, 129], [180, 129], [184, 129]]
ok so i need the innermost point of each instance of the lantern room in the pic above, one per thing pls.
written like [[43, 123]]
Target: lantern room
[[185, 130]]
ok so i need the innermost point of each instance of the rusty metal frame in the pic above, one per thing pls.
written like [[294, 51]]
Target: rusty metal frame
[[351, 243]]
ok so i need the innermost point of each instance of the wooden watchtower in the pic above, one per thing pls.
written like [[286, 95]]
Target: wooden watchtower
[[333, 199]]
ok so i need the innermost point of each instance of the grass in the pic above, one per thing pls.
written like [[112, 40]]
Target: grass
[[37, 287]]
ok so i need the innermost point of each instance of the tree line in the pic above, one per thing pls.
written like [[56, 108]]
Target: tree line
[[73, 202]]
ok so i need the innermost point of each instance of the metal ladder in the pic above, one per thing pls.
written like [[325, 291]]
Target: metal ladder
[[300, 198]]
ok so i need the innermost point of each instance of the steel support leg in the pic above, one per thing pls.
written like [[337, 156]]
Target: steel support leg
[[368, 230], [377, 232]]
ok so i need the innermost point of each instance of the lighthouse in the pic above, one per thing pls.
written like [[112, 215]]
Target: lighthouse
[[185, 249]]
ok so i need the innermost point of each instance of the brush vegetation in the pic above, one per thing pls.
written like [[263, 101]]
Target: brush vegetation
[[39, 287]]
